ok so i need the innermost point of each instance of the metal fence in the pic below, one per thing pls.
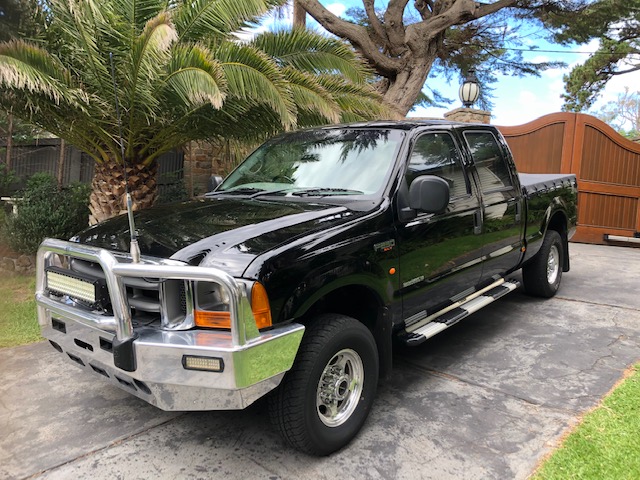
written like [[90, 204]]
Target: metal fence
[[43, 155]]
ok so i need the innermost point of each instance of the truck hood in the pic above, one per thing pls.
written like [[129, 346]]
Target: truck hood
[[225, 232]]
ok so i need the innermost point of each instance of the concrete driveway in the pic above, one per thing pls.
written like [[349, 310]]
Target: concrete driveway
[[488, 398]]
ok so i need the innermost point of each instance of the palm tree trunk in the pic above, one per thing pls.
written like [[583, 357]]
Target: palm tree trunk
[[108, 190]]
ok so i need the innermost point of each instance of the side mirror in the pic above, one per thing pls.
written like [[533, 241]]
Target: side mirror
[[429, 194], [213, 182]]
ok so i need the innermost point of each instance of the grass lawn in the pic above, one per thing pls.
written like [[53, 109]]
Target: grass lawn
[[18, 321], [606, 445]]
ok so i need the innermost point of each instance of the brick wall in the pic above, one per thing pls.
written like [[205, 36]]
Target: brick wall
[[203, 159]]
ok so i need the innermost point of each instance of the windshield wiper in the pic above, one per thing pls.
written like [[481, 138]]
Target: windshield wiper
[[319, 192], [237, 191], [251, 192]]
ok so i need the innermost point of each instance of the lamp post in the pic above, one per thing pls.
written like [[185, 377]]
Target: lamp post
[[469, 90]]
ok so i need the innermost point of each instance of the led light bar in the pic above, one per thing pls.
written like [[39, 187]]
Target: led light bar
[[210, 364], [65, 282]]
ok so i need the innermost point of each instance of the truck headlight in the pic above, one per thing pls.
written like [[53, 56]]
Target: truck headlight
[[211, 309]]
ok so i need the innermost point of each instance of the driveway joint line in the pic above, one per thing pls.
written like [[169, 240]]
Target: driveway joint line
[[101, 449], [455, 378], [567, 299]]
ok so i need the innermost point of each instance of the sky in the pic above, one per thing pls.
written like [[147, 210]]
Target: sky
[[517, 100]]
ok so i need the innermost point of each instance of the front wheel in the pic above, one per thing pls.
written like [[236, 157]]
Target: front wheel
[[541, 276], [325, 398]]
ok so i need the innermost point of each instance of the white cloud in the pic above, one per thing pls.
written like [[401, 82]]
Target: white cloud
[[540, 59], [337, 8]]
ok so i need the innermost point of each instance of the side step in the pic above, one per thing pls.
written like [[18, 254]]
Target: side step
[[453, 314]]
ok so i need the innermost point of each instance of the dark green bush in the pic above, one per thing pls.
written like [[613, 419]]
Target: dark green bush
[[44, 212], [174, 191]]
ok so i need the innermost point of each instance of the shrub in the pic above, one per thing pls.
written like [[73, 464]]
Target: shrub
[[174, 191], [44, 212], [7, 179]]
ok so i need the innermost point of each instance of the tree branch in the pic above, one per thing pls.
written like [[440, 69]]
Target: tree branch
[[355, 34], [487, 9], [628, 70], [457, 13], [394, 24], [377, 26]]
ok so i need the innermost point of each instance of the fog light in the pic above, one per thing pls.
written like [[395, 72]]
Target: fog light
[[209, 364]]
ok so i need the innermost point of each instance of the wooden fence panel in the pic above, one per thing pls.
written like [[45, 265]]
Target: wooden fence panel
[[606, 164]]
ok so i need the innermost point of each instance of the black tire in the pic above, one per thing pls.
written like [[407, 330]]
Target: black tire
[[542, 275], [297, 408]]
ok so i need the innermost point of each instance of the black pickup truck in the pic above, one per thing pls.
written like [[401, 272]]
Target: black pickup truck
[[301, 271]]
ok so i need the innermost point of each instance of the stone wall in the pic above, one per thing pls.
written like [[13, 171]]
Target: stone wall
[[468, 115], [16, 263]]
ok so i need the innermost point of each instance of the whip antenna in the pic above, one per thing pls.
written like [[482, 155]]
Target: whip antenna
[[134, 248]]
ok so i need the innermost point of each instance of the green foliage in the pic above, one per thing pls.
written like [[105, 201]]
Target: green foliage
[[43, 211], [616, 24], [18, 320], [7, 177], [606, 444], [21, 19], [585, 82], [181, 75], [175, 191]]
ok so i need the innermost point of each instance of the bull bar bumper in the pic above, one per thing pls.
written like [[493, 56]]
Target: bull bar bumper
[[151, 362]]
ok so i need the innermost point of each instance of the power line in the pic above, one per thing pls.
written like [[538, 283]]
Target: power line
[[569, 52]]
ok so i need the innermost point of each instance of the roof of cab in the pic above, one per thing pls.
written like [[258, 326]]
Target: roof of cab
[[406, 124]]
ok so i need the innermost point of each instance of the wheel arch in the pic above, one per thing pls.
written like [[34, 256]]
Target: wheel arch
[[559, 223], [359, 301]]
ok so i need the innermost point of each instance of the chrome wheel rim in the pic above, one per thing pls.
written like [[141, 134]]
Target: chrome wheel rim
[[340, 388], [553, 265]]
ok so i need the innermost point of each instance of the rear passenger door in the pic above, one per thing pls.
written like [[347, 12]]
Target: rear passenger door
[[501, 203], [440, 254]]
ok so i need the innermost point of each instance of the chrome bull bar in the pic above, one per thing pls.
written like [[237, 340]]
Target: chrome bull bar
[[116, 266]]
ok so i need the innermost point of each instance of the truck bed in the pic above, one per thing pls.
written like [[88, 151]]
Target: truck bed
[[533, 182]]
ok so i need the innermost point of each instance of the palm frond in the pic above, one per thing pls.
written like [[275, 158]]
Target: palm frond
[[311, 98], [194, 78], [199, 19], [25, 67], [136, 13], [357, 101], [150, 53], [314, 53], [255, 78], [86, 22]]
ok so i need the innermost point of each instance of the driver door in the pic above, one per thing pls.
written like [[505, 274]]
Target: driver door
[[440, 254]]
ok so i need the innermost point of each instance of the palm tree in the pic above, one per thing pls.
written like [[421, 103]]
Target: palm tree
[[181, 75]]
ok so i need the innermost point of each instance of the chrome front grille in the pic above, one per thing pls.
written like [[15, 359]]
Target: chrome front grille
[[143, 295], [160, 291]]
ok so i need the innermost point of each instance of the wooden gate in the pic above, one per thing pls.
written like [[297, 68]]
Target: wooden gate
[[606, 164]]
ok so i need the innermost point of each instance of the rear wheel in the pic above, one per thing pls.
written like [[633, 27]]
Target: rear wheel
[[541, 276], [325, 398]]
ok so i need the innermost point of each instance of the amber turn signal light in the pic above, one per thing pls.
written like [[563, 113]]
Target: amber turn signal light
[[260, 306], [202, 318]]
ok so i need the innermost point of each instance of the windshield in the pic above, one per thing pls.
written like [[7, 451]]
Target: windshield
[[318, 162]]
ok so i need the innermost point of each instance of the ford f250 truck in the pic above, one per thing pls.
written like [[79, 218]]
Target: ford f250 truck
[[298, 274]]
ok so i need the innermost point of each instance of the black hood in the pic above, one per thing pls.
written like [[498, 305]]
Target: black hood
[[228, 232]]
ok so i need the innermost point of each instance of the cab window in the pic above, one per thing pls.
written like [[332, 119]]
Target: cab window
[[490, 163], [437, 154]]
